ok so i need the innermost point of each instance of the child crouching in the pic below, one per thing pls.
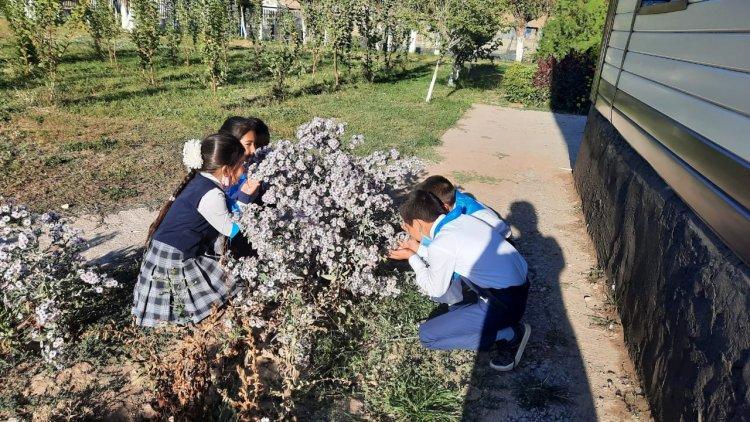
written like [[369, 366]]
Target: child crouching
[[181, 278]]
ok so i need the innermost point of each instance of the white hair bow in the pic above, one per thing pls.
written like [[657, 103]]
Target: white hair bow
[[191, 154]]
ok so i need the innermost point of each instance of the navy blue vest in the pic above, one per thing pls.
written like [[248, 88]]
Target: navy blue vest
[[183, 227]]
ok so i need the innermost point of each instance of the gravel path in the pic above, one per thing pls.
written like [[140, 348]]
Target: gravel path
[[519, 162]]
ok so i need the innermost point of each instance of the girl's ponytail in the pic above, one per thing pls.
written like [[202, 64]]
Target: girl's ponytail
[[165, 208]]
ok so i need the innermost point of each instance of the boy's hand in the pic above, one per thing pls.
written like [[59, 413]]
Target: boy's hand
[[401, 254], [410, 244], [250, 186]]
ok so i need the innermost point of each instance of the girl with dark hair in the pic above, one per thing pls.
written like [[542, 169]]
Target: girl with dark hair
[[181, 277], [253, 134], [251, 131]]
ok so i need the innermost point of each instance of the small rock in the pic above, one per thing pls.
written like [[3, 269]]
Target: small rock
[[65, 206], [586, 298], [618, 393], [356, 406]]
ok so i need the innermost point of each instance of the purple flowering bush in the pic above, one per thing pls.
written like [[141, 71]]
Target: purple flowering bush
[[321, 236], [46, 286]]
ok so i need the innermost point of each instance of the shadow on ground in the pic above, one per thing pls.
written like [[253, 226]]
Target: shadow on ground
[[551, 374]]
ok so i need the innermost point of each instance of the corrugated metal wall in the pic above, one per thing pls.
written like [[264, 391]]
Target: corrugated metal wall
[[682, 78]]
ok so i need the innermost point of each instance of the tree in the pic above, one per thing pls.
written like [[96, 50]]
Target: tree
[[250, 11], [575, 25], [568, 53], [215, 25], [22, 26], [172, 31], [145, 34], [523, 12], [365, 14], [189, 20], [465, 28], [50, 39], [313, 17], [284, 59], [339, 21], [472, 26], [100, 20], [396, 19]]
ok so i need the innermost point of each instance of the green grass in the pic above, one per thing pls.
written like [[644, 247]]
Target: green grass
[[104, 118]]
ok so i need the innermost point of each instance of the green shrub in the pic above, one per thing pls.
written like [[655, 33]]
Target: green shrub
[[519, 87], [575, 26]]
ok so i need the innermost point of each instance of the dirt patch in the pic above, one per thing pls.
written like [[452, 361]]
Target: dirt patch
[[92, 164]]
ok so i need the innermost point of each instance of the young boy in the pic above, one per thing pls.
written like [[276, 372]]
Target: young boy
[[457, 202], [483, 260]]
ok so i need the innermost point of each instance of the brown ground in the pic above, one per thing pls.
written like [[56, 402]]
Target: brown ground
[[519, 162]]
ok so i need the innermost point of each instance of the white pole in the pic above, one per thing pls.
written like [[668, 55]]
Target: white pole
[[519, 44], [243, 29], [126, 20], [432, 83], [412, 41]]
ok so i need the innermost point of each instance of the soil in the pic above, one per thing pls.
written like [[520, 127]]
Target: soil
[[518, 162]]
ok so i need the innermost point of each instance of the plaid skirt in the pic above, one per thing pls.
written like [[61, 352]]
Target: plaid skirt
[[171, 289]]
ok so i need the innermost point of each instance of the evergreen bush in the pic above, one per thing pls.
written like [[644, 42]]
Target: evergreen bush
[[518, 83]]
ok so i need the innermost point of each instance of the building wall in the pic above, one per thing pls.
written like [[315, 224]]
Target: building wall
[[683, 79], [663, 173], [683, 296]]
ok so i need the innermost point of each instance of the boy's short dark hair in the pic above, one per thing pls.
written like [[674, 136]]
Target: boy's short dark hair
[[421, 205], [440, 187], [239, 126]]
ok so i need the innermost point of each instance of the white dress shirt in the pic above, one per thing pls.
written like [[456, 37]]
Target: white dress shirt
[[213, 207], [473, 249], [490, 217]]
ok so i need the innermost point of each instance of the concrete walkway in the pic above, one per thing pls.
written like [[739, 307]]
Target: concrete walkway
[[519, 162]]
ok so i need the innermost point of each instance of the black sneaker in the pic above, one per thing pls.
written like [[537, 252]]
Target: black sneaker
[[508, 353]]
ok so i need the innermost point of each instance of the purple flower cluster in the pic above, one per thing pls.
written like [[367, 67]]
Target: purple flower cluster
[[328, 214], [44, 279]]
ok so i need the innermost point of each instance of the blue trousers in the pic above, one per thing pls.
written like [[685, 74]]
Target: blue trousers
[[476, 325]]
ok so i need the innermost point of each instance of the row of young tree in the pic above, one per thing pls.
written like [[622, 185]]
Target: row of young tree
[[371, 36]]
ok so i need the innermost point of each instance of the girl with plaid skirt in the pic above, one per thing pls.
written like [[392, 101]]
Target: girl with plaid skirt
[[181, 278]]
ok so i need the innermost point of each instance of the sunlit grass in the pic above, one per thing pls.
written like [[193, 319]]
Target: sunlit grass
[[97, 100]]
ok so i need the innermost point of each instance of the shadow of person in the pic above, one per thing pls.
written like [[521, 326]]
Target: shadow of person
[[550, 381]]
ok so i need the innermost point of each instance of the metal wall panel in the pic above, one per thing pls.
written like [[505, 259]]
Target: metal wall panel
[[609, 73], [619, 39], [623, 21], [625, 6], [614, 56], [607, 91], [725, 128], [603, 107], [715, 164], [706, 16], [727, 88], [729, 51], [729, 220]]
